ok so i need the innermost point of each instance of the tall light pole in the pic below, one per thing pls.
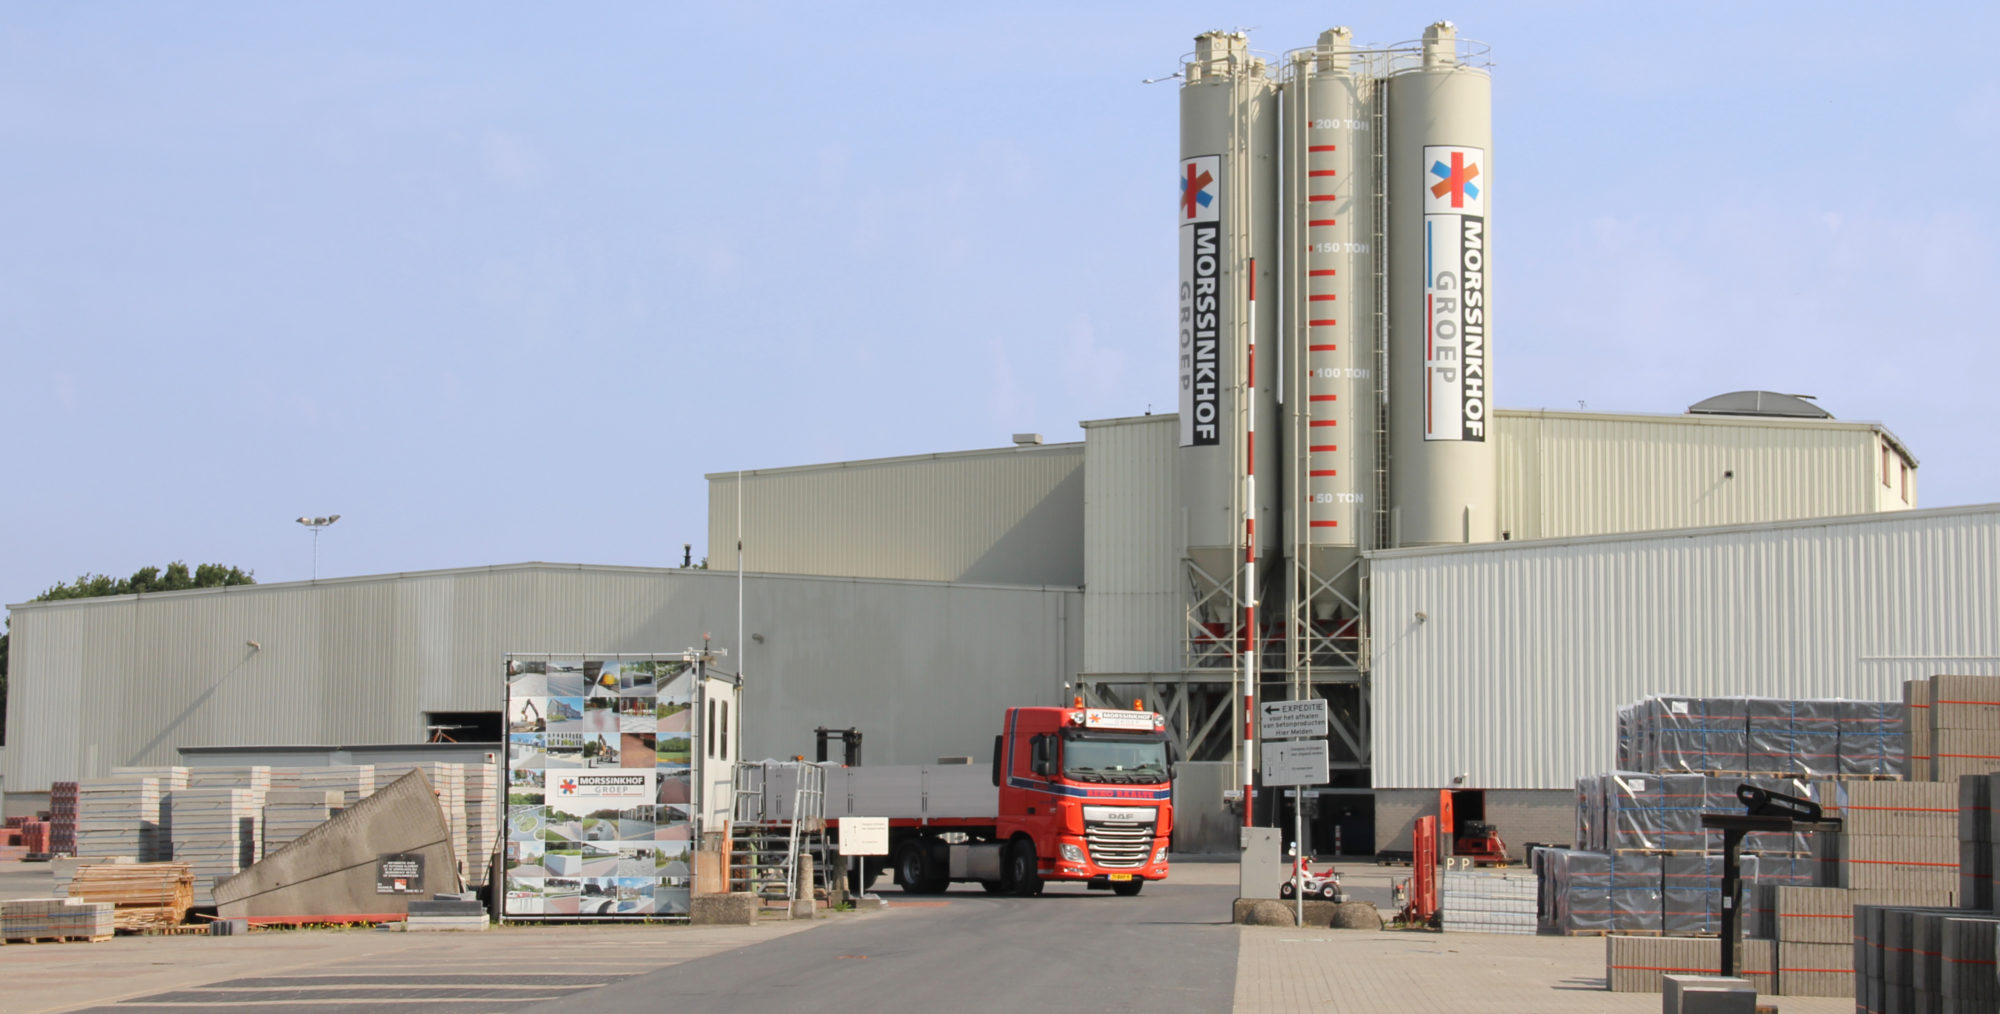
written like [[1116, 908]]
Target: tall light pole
[[316, 524]]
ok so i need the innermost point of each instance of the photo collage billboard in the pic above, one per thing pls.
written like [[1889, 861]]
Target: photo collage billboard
[[600, 780]]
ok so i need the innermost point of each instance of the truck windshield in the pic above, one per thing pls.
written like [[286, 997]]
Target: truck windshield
[[1115, 759]]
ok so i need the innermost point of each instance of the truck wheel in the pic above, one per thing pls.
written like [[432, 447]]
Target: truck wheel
[[1127, 888], [1022, 870], [993, 887], [913, 868]]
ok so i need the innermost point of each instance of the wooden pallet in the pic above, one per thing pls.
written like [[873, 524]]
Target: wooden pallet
[[60, 940]]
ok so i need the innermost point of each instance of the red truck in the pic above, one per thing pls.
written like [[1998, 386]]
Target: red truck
[[1073, 794]]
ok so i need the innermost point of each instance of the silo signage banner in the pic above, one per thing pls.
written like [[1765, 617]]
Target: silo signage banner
[[1454, 293], [1200, 216]]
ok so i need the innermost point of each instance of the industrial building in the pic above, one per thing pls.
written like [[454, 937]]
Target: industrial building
[[1473, 590]]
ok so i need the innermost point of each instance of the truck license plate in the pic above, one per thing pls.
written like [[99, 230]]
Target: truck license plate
[[1121, 876]]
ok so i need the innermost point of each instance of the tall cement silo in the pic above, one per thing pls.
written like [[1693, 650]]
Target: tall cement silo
[[1227, 214], [1443, 478], [1331, 406]]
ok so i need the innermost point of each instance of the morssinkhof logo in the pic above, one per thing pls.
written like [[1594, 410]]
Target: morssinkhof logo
[[1198, 188], [1451, 178]]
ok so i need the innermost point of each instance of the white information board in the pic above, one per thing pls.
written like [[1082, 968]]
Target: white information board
[[1301, 762], [1291, 719], [864, 836]]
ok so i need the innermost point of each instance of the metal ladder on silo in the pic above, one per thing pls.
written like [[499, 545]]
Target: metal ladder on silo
[[1379, 114]]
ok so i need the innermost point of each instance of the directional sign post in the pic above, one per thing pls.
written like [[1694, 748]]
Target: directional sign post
[[863, 836], [1300, 760]]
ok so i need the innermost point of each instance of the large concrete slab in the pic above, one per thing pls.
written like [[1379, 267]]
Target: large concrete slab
[[331, 871]]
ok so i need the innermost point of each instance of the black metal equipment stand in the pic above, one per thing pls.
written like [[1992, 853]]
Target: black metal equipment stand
[[1767, 811]]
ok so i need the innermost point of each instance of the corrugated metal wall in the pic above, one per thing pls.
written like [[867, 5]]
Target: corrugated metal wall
[[1526, 650], [1564, 474], [924, 669], [1007, 516], [1131, 559]]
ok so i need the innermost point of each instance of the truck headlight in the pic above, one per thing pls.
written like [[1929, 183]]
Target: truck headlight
[[1072, 853], [1161, 855]]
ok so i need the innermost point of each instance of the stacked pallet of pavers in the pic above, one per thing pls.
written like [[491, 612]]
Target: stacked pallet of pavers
[[1923, 953], [1686, 756], [1924, 959], [1964, 726], [215, 833], [171, 779], [62, 819], [119, 817], [354, 782], [55, 919], [1473, 901], [290, 813], [482, 820]]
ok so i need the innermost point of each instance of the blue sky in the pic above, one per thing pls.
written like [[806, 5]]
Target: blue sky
[[501, 282]]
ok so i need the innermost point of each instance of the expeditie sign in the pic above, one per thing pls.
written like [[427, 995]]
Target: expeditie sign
[[1455, 348], [1200, 218]]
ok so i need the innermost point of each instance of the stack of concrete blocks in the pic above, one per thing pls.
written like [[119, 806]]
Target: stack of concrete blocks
[[482, 820], [290, 813], [49, 918], [1965, 726], [1707, 994], [1896, 836], [119, 817], [1639, 964], [215, 833], [354, 782], [171, 779], [1924, 959], [1917, 704], [1814, 930], [1793, 738], [1873, 737], [1975, 842], [1766, 737], [1692, 735], [1691, 894], [252, 778], [1480, 902], [1575, 892], [1638, 902]]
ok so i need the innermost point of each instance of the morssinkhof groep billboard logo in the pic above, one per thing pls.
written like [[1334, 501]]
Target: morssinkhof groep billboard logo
[[1200, 216], [1455, 309]]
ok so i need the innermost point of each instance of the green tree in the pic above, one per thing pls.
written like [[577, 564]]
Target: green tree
[[176, 577]]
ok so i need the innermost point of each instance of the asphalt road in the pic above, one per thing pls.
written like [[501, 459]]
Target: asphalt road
[[1169, 949]]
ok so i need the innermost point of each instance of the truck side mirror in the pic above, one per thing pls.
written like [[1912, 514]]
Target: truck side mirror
[[998, 753], [1041, 759]]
